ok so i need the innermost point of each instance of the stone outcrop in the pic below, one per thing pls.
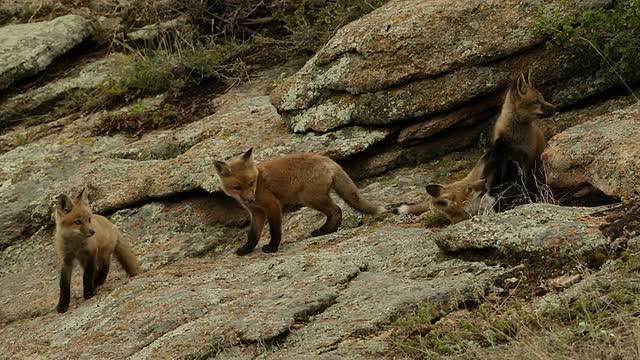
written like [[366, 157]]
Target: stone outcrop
[[530, 230], [27, 49], [196, 297], [602, 152], [120, 172], [413, 58]]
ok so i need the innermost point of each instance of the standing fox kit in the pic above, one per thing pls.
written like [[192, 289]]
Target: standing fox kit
[[516, 139], [91, 239], [305, 178]]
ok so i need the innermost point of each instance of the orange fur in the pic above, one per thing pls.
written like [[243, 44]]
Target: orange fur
[[91, 239], [304, 178], [517, 139], [457, 201]]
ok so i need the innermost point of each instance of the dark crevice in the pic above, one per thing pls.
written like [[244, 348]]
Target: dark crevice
[[531, 268]]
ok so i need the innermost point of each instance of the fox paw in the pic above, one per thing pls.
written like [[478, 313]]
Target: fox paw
[[394, 207], [243, 251], [269, 248], [61, 308], [89, 294]]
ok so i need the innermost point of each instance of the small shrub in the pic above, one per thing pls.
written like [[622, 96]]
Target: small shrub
[[611, 33], [139, 118]]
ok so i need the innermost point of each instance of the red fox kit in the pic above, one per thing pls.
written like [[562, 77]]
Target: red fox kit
[[516, 139], [304, 178], [457, 201], [91, 239]]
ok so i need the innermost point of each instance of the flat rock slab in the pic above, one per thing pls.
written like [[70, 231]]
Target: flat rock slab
[[120, 171], [603, 152], [412, 58], [300, 296], [27, 49], [529, 229]]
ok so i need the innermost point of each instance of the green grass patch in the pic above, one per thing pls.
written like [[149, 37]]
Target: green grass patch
[[600, 321]]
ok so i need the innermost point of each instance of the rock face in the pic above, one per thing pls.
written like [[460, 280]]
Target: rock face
[[120, 171], [413, 58], [27, 49], [603, 152], [40, 100], [195, 297], [534, 229]]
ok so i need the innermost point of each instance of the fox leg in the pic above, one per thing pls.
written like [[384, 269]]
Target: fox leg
[[89, 276], [274, 215], [65, 286], [331, 210], [258, 218], [103, 270]]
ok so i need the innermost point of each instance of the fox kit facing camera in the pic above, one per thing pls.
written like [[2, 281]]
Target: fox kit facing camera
[[91, 239], [305, 178], [517, 139]]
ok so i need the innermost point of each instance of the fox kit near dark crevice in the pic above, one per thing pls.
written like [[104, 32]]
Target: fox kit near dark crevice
[[517, 141], [91, 239], [457, 201], [305, 178]]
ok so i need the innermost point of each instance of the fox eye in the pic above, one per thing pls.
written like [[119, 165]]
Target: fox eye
[[237, 187], [441, 203], [78, 222]]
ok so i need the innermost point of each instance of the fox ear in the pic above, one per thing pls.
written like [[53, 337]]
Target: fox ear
[[248, 156], [222, 168], [529, 77], [521, 85], [64, 204], [83, 196], [434, 189]]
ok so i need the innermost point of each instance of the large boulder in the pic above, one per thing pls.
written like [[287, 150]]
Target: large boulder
[[533, 230], [603, 152], [413, 58], [27, 49]]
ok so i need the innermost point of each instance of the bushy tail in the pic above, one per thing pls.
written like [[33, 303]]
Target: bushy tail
[[126, 258], [347, 190], [414, 209]]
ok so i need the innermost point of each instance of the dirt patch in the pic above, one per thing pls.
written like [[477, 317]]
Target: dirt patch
[[622, 221]]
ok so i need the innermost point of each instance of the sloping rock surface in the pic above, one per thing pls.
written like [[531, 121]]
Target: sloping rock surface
[[27, 49], [197, 298], [120, 171]]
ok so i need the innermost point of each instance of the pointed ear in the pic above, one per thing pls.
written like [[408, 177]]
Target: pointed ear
[[64, 204], [521, 85], [221, 168], [529, 77], [248, 156], [83, 196], [434, 189]]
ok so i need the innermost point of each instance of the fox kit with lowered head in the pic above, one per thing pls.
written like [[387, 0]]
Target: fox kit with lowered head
[[305, 178], [457, 201], [517, 140], [91, 239]]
